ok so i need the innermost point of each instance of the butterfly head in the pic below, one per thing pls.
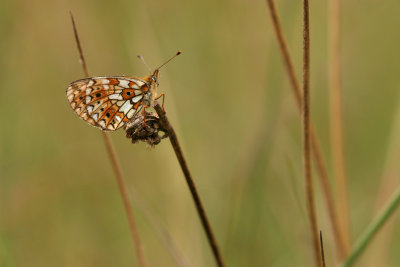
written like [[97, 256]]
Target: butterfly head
[[154, 77]]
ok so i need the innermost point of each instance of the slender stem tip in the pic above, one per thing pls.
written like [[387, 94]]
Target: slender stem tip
[[179, 52]]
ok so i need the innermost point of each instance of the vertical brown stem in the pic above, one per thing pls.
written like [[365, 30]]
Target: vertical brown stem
[[337, 143], [306, 135], [190, 182], [116, 167], [125, 199], [316, 148], [322, 249]]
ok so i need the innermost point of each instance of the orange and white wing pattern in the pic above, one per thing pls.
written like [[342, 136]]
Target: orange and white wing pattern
[[107, 102]]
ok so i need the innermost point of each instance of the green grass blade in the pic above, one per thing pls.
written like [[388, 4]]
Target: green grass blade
[[373, 228]]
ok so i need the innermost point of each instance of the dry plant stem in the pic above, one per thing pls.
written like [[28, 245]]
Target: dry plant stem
[[116, 167], [306, 135], [319, 162], [196, 198], [337, 143], [285, 52], [322, 249], [125, 198]]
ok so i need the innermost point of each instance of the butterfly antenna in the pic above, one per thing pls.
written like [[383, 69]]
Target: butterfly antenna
[[177, 54], [144, 62]]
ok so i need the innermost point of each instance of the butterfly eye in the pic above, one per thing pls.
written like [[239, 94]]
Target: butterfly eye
[[154, 78]]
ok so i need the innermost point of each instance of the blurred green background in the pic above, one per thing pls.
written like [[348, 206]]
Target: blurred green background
[[230, 101]]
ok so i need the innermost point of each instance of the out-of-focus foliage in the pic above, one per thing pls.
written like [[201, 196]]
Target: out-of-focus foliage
[[231, 104]]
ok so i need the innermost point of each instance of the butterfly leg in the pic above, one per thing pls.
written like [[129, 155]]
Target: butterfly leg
[[163, 97], [144, 113]]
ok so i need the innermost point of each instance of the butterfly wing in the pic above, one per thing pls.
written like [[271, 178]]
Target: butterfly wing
[[107, 102]]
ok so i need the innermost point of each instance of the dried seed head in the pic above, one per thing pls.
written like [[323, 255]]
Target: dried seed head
[[147, 131]]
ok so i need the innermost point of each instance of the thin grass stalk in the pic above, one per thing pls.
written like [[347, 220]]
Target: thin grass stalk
[[322, 249], [116, 167], [310, 200], [337, 142], [190, 182], [316, 148], [159, 228], [377, 223]]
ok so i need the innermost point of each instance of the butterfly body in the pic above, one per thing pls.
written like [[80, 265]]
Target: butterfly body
[[109, 103]]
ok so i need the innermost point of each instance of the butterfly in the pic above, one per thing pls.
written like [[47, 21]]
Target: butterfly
[[111, 102]]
